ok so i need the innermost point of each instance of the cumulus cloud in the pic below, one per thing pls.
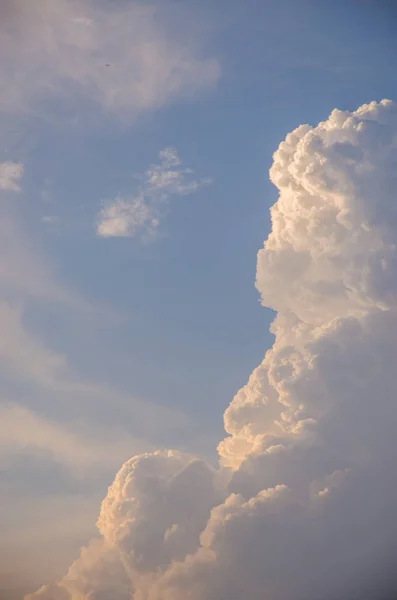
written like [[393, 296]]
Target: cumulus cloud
[[142, 213], [10, 174], [303, 504], [125, 57], [332, 248]]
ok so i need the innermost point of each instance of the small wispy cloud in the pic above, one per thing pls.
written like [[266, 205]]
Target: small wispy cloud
[[10, 174], [49, 219], [125, 217], [142, 213]]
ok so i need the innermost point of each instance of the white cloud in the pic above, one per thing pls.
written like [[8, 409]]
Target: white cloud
[[126, 217], [10, 174], [332, 249], [304, 505], [126, 57], [142, 213]]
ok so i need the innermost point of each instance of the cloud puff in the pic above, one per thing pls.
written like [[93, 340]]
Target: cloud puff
[[10, 174], [124, 57], [332, 249], [303, 504], [142, 213], [153, 514]]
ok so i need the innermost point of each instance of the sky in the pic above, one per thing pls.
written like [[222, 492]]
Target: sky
[[197, 299]]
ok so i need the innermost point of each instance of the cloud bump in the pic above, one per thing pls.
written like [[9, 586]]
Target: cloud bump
[[303, 504]]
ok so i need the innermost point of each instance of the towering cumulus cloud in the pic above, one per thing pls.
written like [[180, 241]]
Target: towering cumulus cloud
[[302, 506]]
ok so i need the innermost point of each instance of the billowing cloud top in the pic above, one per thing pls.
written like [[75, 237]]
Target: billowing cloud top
[[303, 505], [332, 249]]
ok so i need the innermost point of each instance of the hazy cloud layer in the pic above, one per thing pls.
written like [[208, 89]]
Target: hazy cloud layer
[[303, 506], [123, 57], [141, 213]]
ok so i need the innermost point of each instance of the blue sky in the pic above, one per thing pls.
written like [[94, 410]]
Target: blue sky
[[156, 336]]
